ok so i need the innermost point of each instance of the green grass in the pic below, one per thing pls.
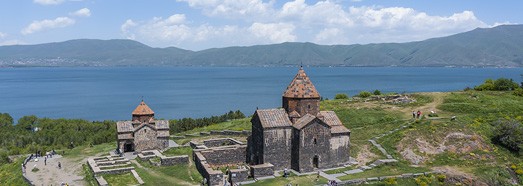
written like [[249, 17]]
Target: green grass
[[178, 151], [385, 170], [120, 179], [88, 175], [237, 125], [340, 170], [168, 175], [11, 173], [294, 180], [84, 151]]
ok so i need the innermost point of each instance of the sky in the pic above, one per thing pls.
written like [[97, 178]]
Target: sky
[[203, 24]]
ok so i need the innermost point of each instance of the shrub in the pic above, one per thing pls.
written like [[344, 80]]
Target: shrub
[[518, 92], [364, 94], [35, 169], [519, 172], [376, 92], [391, 181], [433, 115], [508, 133], [505, 84], [487, 85], [341, 96], [441, 177]]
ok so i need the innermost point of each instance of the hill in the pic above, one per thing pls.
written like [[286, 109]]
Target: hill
[[500, 46]]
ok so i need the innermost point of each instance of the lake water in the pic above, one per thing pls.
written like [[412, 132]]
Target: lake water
[[176, 92]]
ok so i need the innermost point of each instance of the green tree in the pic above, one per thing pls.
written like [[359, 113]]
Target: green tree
[[341, 96], [504, 84], [27, 122], [376, 92], [487, 85], [6, 120], [364, 94]]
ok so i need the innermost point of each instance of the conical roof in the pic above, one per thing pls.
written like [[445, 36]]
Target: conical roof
[[301, 87], [143, 109]]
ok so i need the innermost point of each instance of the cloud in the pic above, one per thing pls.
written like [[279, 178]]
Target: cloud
[[37, 26], [2, 35], [246, 9], [12, 42], [249, 22], [275, 32], [48, 2], [84, 12]]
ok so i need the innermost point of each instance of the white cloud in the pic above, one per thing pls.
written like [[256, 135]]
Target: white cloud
[[36, 26], [275, 32], [2, 35], [244, 9], [84, 12], [250, 22], [12, 42], [48, 2]]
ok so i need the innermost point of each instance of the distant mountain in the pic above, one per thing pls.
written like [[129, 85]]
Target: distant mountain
[[500, 46]]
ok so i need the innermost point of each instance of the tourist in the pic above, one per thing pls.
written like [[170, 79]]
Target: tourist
[[45, 161], [414, 114], [418, 114], [59, 165]]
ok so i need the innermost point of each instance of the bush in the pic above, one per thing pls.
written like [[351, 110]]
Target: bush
[[364, 94], [519, 172], [376, 92], [391, 181], [501, 84], [433, 115], [508, 133], [518, 92], [441, 177], [341, 96]]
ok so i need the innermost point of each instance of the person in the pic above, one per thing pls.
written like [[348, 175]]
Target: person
[[59, 165], [285, 172], [414, 114], [418, 114], [45, 161]]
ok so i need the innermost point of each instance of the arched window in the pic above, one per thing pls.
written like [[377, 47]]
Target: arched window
[[309, 106], [314, 141]]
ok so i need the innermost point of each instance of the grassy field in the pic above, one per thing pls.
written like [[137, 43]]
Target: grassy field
[[168, 175], [11, 174], [120, 179], [294, 180]]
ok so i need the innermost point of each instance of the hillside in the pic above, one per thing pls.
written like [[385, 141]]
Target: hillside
[[499, 47]]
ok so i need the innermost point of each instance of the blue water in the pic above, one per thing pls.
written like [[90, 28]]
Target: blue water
[[175, 92]]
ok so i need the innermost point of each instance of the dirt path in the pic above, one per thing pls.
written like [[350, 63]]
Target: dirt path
[[51, 174], [160, 175], [437, 97]]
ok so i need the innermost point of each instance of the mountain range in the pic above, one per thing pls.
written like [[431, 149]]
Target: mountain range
[[500, 46]]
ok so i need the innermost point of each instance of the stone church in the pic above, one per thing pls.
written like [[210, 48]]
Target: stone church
[[299, 135], [143, 132]]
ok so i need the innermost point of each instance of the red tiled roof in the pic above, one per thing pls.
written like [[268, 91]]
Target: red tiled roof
[[142, 109], [301, 87], [271, 118]]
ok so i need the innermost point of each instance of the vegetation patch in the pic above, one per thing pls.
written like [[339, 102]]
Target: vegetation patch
[[294, 180], [386, 170], [176, 151], [120, 179]]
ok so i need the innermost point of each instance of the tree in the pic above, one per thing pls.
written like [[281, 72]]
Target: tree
[[341, 96], [504, 84], [364, 94], [377, 92], [27, 122], [6, 120]]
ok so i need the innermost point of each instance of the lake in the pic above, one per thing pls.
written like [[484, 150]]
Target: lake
[[112, 93]]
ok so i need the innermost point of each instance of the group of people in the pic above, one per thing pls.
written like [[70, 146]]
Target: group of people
[[416, 114], [38, 154]]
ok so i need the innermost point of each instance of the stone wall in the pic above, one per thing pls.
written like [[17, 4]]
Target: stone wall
[[213, 177], [262, 170], [277, 147], [174, 160], [301, 105], [221, 142], [228, 155], [238, 175], [312, 141], [145, 139], [340, 149]]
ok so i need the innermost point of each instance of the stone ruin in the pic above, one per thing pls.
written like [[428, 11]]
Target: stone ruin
[[110, 165], [214, 154]]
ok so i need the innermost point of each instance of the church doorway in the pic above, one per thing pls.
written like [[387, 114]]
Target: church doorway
[[128, 147], [315, 162]]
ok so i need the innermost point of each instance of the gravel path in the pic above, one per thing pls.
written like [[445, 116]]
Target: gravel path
[[50, 174]]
